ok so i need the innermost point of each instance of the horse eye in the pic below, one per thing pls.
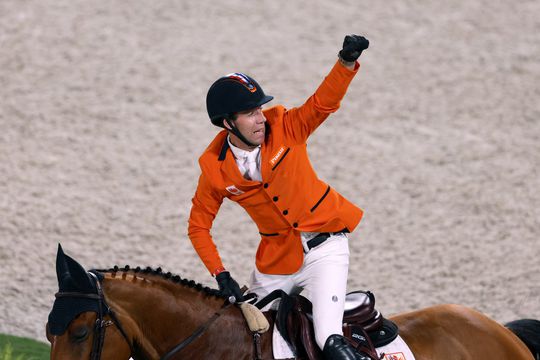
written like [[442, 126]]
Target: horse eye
[[80, 334]]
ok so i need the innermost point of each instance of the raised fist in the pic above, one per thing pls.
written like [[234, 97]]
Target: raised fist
[[353, 45]]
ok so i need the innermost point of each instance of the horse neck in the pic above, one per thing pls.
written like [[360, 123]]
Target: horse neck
[[157, 312]]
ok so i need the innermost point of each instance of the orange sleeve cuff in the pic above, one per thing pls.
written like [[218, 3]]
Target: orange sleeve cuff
[[218, 271]]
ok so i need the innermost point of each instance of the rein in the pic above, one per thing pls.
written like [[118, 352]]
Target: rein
[[196, 334]]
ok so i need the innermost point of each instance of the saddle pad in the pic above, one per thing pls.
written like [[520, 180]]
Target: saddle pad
[[396, 350], [280, 348]]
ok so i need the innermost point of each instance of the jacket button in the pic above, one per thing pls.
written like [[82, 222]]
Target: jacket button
[[285, 212], [265, 185], [295, 225], [275, 198]]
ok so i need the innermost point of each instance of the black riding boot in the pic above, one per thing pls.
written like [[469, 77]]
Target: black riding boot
[[337, 348]]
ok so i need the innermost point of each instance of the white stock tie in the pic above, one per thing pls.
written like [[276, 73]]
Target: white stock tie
[[251, 165], [249, 162]]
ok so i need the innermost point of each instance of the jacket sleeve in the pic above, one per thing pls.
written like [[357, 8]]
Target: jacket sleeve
[[300, 122], [205, 206]]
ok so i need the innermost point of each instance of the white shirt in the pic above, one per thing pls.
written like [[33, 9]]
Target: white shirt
[[249, 162]]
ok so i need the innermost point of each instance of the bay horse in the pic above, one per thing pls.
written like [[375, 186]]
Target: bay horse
[[118, 314]]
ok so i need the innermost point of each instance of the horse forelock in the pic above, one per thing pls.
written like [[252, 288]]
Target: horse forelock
[[148, 275]]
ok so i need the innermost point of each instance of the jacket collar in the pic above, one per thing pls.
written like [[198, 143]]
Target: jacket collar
[[223, 152]]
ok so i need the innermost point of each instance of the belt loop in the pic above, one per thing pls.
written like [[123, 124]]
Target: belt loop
[[305, 245]]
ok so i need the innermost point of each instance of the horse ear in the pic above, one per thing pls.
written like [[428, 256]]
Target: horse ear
[[71, 275]]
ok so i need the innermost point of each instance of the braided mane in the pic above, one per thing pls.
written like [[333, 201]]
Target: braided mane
[[167, 276]]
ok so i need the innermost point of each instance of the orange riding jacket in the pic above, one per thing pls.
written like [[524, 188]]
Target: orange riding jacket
[[290, 198]]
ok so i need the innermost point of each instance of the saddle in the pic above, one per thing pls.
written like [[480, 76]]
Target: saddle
[[363, 326]]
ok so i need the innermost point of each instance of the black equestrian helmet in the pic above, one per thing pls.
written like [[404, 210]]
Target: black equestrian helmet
[[231, 94]]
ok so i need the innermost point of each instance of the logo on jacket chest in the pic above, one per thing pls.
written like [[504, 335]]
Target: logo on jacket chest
[[275, 158], [234, 190]]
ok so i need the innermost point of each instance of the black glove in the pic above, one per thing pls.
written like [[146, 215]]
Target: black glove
[[229, 287], [353, 45]]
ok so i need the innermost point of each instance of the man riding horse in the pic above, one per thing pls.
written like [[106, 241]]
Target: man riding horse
[[260, 161]]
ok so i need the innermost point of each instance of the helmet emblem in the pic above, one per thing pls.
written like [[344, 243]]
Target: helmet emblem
[[243, 79]]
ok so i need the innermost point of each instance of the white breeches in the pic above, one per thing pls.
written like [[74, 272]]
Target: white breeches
[[323, 276]]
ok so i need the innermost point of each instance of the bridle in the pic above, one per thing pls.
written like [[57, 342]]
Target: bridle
[[101, 324]]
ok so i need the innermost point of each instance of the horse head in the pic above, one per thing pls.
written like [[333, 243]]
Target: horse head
[[79, 317], [143, 313]]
